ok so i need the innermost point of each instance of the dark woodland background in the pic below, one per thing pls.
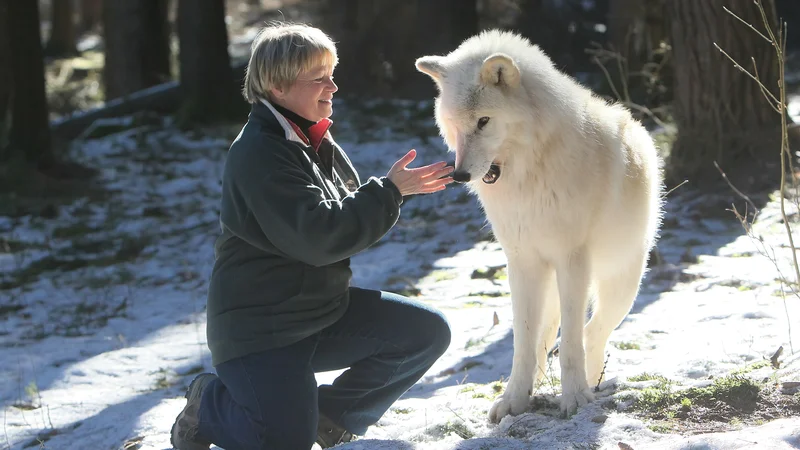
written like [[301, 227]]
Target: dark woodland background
[[67, 63]]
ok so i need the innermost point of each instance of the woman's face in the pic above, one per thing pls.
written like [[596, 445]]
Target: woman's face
[[311, 95]]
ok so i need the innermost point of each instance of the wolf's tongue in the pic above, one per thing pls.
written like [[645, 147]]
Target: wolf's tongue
[[492, 175]]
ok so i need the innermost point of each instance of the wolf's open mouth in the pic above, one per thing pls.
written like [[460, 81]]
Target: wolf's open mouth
[[492, 175]]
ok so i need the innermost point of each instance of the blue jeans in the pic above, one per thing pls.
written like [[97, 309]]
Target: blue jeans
[[270, 400]]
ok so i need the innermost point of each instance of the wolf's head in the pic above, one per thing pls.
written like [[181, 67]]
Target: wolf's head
[[483, 100]]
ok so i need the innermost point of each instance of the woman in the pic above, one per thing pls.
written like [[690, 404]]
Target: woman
[[280, 304]]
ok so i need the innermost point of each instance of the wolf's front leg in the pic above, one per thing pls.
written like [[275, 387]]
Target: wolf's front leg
[[573, 287], [527, 304]]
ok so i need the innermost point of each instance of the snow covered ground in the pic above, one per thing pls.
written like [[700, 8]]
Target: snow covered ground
[[102, 310]]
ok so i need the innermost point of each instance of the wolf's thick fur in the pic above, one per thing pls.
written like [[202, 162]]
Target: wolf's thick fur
[[576, 208]]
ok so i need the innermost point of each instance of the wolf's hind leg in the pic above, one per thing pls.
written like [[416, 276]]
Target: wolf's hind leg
[[615, 296]]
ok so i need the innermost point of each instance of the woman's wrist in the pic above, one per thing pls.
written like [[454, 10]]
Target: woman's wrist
[[388, 183]]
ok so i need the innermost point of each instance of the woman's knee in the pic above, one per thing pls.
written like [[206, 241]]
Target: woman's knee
[[443, 335], [417, 327], [434, 331]]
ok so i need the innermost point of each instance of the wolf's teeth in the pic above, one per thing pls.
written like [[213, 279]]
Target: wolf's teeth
[[492, 175]]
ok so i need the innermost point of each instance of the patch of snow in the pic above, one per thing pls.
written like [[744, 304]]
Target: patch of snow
[[101, 354]]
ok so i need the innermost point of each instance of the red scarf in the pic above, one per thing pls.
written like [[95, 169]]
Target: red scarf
[[316, 132]]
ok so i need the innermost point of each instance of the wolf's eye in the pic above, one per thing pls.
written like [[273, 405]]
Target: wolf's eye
[[482, 122]]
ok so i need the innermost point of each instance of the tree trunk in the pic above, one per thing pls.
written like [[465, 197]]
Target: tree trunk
[[91, 14], [29, 133], [6, 78], [721, 114], [62, 32], [206, 76], [156, 59], [378, 42], [137, 45]]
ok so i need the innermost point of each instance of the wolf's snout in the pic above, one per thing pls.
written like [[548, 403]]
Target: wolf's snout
[[461, 176]]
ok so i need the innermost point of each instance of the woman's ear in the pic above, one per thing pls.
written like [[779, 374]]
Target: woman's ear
[[277, 93]]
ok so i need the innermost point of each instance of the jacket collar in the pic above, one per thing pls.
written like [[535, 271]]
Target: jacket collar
[[276, 122]]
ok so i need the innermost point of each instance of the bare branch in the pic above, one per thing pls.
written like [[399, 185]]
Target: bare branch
[[763, 88], [747, 24], [673, 189], [779, 45], [736, 65], [737, 191], [608, 77]]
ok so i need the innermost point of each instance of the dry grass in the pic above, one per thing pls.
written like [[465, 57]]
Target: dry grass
[[727, 403]]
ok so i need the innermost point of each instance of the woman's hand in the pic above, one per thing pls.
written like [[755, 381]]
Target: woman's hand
[[421, 180]]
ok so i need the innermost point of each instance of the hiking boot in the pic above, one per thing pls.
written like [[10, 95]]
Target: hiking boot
[[330, 434], [184, 430]]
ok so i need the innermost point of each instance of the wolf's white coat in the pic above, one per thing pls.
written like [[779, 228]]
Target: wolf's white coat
[[576, 208]]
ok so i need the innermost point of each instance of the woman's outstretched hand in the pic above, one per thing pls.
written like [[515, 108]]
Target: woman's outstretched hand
[[420, 180]]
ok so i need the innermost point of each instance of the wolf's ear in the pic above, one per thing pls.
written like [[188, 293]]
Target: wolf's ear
[[431, 65], [500, 70]]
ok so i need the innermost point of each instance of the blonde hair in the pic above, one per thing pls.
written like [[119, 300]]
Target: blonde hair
[[280, 52]]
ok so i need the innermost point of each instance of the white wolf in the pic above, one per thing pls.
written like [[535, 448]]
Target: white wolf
[[572, 188]]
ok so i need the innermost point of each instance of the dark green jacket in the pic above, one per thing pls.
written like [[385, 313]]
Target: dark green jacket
[[291, 218]]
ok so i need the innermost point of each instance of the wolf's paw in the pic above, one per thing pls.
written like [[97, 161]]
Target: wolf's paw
[[509, 403], [571, 401]]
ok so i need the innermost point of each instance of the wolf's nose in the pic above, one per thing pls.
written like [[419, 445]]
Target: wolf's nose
[[461, 176]]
